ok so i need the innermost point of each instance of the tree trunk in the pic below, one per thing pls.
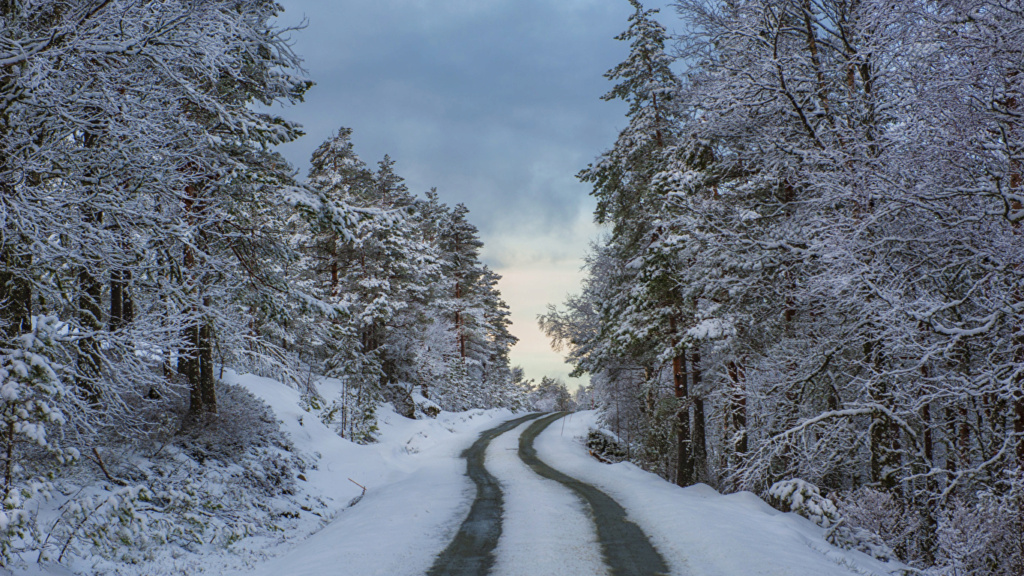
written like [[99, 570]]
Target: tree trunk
[[1016, 186], [188, 361], [737, 417], [206, 378], [90, 315], [1018, 426], [122, 308], [15, 291], [699, 446], [684, 460], [188, 366], [459, 329], [949, 442]]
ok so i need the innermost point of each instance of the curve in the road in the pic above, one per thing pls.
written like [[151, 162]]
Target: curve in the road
[[471, 553], [625, 547]]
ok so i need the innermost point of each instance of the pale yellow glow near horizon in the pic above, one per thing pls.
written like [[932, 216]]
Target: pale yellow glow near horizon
[[532, 279]]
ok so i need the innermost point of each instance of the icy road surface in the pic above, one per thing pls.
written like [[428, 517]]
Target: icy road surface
[[540, 514], [419, 496]]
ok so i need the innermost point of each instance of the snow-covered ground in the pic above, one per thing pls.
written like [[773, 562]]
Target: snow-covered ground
[[417, 495], [699, 531]]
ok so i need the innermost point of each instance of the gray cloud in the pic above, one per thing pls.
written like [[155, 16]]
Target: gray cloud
[[494, 102]]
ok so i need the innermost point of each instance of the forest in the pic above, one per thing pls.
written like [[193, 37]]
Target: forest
[[809, 283], [811, 277], [150, 238]]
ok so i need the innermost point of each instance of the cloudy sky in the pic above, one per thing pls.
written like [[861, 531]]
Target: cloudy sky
[[494, 102]]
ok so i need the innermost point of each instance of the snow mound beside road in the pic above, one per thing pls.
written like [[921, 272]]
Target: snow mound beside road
[[698, 530]]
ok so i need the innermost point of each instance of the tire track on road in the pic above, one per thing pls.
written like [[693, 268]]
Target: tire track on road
[[625, 547], [471, 552]]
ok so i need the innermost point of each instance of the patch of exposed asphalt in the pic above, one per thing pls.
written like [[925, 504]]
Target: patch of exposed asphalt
[[625, 547], [471, 553]]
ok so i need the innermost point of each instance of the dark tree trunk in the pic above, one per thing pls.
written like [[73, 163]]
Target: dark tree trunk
[[459, 329], [206, 377], [684, 460], [699, 446], [90, 316], [15, 292], [1018, 426], [122, 309], [738, 407], [188, 366], [116, 301], [950, 441], [929, 449], [188, 360]]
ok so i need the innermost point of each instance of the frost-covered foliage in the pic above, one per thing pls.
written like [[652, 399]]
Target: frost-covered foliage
[[878, 524], [187, 494], [860, 530], [551, 395], [805, 499], [815, 259], [31, 396], [407, 307], [984, 535], [150, 237], [137, 238]]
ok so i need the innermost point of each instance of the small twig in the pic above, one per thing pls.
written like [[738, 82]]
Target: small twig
[[161, 449], [358, 484], [104, 469], [77, 528], [42, 549]]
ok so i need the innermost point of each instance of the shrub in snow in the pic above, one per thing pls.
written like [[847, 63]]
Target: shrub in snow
[[30, 392], [805, 499], [325, 412], [605, 446], [107, 522], [855, 538], [426, 406], [877, 523], [230, 476], [984, 536]]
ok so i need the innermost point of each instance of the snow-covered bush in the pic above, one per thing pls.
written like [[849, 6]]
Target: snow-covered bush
[[605, 446], [855, 533], [851, 537], [877, 523], [225, 478], [805, 499], [984, 537], [426, 406], [30, 396], [109, 523]]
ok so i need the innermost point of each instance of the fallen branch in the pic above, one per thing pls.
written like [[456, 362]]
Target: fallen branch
[[104, 469]]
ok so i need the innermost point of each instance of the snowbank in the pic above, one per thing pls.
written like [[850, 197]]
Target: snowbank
[[698, 530], [416, 490]]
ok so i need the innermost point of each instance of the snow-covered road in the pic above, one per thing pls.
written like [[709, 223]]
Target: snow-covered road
[[546, 527], [419, 496], [544, 498]]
